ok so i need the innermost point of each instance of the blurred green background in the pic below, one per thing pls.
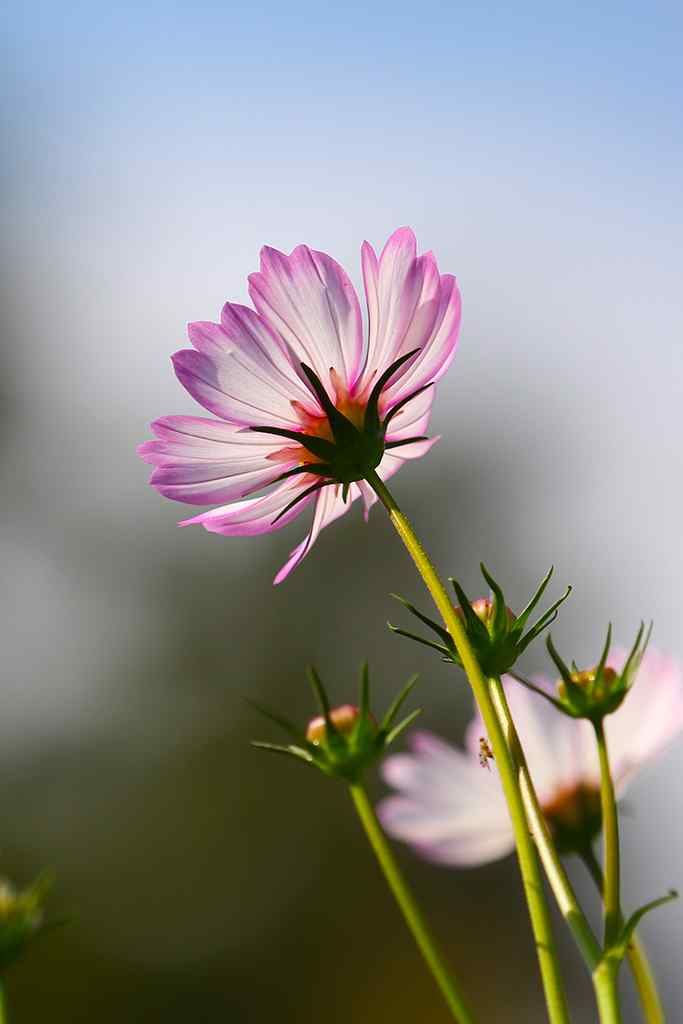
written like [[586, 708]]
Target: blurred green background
[[151, 151]]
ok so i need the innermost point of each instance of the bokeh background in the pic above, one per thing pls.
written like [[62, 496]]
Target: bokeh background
[[150, 149]]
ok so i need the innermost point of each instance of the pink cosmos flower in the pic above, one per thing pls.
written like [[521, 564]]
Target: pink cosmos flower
[[451, 809], [306, 408]]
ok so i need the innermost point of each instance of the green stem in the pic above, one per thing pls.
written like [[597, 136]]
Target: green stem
[[653, 1011], [610, 830], [3, 1008], [606, 992], [528, 861], [411, 911], [554, 868]]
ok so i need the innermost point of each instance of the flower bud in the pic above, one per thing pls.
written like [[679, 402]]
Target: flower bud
[[343, 719], [21, 917], [497, 636], [343, 741], [485, 610], [595, 692]]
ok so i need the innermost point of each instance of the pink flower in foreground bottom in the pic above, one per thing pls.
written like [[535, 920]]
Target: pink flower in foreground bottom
[[305, 405], [452, 810]]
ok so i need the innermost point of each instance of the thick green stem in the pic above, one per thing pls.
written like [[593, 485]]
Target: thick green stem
[[554, 868], [653, 1011], [528, 861], [610, 831], [606, 992], [411, 911]]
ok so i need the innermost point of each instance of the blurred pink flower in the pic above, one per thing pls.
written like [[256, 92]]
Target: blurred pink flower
[[247, 370], [451, 809]]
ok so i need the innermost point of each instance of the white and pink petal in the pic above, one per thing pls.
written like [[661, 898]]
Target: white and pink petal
[[204, 462], [328, 507], [239, 371], [448, 807], [257, 515], [309, 300]]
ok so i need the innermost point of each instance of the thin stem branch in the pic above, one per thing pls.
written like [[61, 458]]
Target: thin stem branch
[[554, 868], [529, 866], [653, 1011], [413, 915], [610, 829]]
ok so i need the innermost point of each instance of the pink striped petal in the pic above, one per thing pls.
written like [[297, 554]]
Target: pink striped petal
[[403, 295], [551, 740], [448, 807], [256, 515], [240, 371], [651, 716], [204, 462], [329, 506], [438, 350], [309, 300], [413, 419]]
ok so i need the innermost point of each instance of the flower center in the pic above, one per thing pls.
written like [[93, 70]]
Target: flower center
[[573, 814]]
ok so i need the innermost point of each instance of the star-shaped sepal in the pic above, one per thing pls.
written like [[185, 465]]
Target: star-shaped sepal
[[354, 450], [596, 692], [21, 917], [497, 635], [342, 741]]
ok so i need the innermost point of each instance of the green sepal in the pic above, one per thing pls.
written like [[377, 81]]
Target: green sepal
[[595, 693], [354, 452], [438, 629], [399, 729], [476, 630], [333, 738], [284, 723], [317, 446], [343, 753], [342, 428], [496, 635], [524, 615], [372, 421], [445, 653], [275, 748], [398, 702], [21, 917], [499, 610], [537, 689]]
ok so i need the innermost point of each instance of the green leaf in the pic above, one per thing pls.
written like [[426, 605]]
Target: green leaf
[[621, 945]]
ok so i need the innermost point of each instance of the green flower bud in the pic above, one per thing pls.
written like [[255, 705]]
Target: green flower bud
[[596, 692], [21, 917], [495, 633], [345, 740]]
